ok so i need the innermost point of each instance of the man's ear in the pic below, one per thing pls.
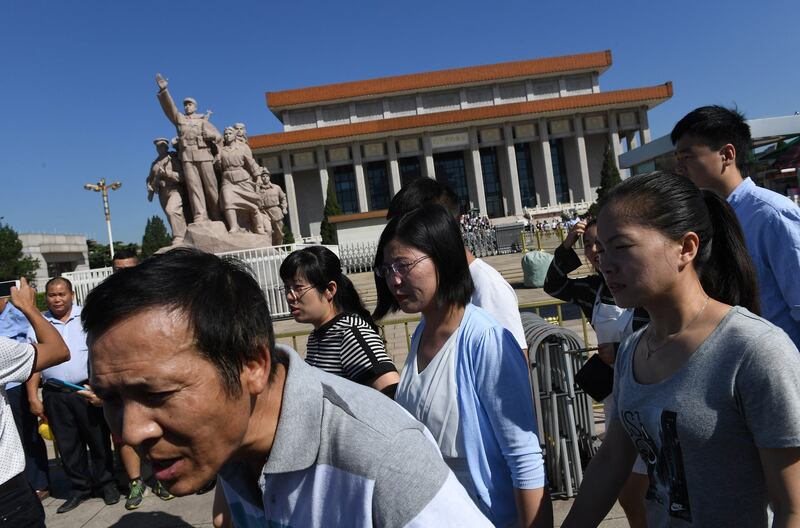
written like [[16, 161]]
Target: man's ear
[[690, 245], [728, 153], [255, 372]]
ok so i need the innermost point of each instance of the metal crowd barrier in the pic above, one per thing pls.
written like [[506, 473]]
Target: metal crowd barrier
[[564, 412], [358, 257]]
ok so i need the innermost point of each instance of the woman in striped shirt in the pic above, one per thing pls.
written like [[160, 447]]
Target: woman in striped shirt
[[345, 340]]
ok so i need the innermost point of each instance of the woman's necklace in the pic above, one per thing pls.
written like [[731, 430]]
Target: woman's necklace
[[652, 350]]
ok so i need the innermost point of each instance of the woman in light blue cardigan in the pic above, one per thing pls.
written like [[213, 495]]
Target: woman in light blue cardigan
[[465, 377]]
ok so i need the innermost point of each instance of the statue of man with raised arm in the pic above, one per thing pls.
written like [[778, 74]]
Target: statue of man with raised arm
[[196, 135]]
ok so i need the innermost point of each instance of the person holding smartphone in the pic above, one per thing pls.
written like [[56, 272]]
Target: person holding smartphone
[[77, 424], [19, 504], [14, 325]]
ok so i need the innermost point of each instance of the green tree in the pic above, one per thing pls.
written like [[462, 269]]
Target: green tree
[[288, 236], [327, 230], [100, 256], [13, 264], [609, 177], [155, 236]]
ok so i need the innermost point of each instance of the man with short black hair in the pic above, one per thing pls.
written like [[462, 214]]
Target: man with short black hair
[[124, 258], [711, 147], [76, 424], [191, 376]]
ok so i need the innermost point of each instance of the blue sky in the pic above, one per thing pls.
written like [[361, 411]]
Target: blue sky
[[79, 92]]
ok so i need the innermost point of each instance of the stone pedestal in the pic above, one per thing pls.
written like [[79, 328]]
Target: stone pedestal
[[213, 237]]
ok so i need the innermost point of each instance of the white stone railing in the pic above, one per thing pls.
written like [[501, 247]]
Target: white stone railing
[[84, 281], [264, 262], [530, 212]]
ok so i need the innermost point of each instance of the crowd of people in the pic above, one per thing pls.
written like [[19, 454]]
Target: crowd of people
[[694, 301]]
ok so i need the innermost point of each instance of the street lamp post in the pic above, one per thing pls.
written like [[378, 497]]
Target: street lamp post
[[101, 187]]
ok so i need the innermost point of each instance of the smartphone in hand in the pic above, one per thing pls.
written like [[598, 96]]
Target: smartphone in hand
[[62, 386], [5, 288]]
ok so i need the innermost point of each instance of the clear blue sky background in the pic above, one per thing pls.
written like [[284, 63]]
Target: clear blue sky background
[[78, 87]]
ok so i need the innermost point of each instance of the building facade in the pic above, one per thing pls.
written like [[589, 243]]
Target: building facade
[[56, 254], [509, 136]]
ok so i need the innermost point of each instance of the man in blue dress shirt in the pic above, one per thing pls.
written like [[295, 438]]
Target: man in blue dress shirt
[[711, 146], [76, 423]]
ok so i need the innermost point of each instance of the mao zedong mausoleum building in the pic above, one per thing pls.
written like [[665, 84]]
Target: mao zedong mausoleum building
[[508, 136]]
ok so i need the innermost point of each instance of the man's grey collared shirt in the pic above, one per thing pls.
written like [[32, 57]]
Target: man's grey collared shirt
[[345, 456]]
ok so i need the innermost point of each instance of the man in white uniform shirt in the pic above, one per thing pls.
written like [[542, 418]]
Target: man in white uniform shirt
[[19, 505]]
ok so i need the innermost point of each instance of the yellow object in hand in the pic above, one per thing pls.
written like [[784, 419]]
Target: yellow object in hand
[[45, 431]]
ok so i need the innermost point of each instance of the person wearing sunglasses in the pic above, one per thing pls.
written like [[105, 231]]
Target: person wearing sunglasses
[[345, 340], [465, 377]]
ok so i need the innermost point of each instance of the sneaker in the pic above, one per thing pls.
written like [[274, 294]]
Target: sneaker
[[136, 495], [161, 492]]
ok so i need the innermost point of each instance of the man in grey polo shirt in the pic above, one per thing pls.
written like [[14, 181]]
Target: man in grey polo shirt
[[191, 377]]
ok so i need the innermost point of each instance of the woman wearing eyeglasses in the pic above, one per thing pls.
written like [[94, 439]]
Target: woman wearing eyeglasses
[[345, 340], [464, 377]]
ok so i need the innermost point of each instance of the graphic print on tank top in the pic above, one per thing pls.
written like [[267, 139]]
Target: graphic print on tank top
[[654, 433]]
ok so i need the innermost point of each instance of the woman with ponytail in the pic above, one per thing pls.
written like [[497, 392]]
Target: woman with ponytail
[[345, 340], [708, 393]]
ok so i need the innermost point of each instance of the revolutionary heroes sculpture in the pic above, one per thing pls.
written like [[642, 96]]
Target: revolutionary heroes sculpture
[[211, 178], [196, 136], [239, 175], [273, 208], [166, 180]]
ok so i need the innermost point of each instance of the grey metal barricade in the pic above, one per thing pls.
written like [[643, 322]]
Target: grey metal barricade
[[564, 412]]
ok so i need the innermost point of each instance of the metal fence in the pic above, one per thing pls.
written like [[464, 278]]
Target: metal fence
[[358, 257]]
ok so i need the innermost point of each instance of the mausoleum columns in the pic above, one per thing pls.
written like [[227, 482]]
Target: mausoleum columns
[[613, 137], [644, 127], [477, 193], [428, 169], [514, 202], [394, 168], [323, 172], [548, 195], [583, 161], [291, 195], [361, 187]]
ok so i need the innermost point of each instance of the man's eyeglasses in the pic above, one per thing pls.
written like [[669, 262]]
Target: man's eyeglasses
[[295, 292], [400, 267]]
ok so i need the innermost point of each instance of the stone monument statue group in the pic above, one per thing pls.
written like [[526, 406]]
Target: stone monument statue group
[[210, 178]]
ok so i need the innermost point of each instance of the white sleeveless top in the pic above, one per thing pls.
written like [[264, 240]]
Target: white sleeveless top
[[431, 396]]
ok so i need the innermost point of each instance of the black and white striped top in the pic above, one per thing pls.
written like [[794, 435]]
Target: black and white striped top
[[347, 346]]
